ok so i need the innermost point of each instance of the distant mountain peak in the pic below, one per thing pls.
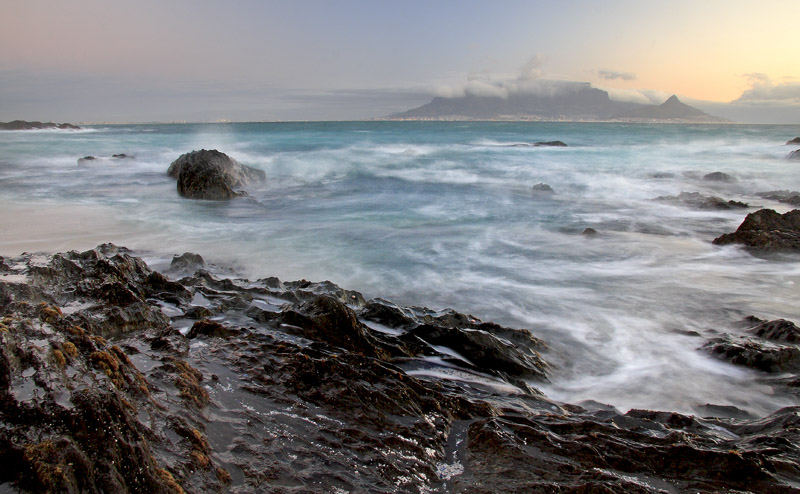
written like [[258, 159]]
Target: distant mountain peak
[[672, 100]]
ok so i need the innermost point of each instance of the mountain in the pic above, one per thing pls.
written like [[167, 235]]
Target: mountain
[[671, 110], [554, 100]]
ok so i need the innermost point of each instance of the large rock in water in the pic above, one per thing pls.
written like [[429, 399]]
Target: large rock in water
[[794, 155], [766, 230], [210, 174]]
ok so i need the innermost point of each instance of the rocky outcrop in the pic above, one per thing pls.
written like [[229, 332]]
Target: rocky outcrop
[[769, 346], [301, 386], [766, 230], [796, 140], [785, 196], [210, 174], [699, 201], [794, 155], [25, 125]]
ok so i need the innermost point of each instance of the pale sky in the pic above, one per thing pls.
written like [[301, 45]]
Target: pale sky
[[174, 60]]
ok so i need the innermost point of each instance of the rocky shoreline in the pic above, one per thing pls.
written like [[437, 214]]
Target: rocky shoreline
[[118, 378]]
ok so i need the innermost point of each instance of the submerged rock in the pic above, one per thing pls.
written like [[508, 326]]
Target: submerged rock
[[718, 177], [550, 144], [766, 230], [210, 174], [785, 196], [85, 159], [589, 232], [542, 189], [122, 156], [794, 155], [699, 201], [303, 386]]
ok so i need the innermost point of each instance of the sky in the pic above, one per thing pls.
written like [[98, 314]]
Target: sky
[[179, 60]]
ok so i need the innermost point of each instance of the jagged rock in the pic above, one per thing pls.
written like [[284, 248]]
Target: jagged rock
[[796, 140], [759, 355], [766, 230], [210, 174], [301, 395], [699, 201], [214, 329], [718, 177], [779, 330], [187, 261], [785, 196]]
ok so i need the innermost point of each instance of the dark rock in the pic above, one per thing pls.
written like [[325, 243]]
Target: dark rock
[[589, 232], [85, 159], [718, 177], [779, 330], [550, 144], [763, 356], [542, 188], [699, 201], [794, 155], [212, 175], [122, 156], [796, 140], [766, 230], [24, 125], [187, 261], [784, 196], [214, 329]]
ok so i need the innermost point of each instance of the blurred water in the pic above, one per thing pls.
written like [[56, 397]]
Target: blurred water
[[442, 215]]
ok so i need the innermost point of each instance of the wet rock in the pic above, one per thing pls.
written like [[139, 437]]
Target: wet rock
[[542, 189], [86, 159], [589, 232], [796, 140], [214, 329], [550, 144], [778, 330], [719, 177], [761, 355], [699, 201], [766, 230], [794, 155], [210, 174], [784, 196], [187, 261], [121, 156]]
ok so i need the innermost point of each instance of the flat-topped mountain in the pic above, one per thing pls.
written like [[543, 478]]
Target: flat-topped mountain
[[554, 101]]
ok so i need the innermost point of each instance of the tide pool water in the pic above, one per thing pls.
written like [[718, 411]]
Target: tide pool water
[[442, 214]]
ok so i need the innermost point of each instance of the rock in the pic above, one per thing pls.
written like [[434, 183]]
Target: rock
[[187, 261], [550, 144], [784, 196], [24, 125], [718, 177], [302, 396], [779, 330], [699, 201], [589, 232], [214, 329], [122, 156], [212, 175], [794, 155], [85, 159], [542, 188], [796, 140], [766, 230], [755, 354]]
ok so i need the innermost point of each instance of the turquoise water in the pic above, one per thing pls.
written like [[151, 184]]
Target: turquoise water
[[442, 215]]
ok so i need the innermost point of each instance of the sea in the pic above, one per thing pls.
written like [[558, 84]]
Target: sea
[[444, 215]]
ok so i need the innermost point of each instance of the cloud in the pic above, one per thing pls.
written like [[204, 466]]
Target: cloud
[[611, 75], [643, 96], [764, 91], [530, 79]]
